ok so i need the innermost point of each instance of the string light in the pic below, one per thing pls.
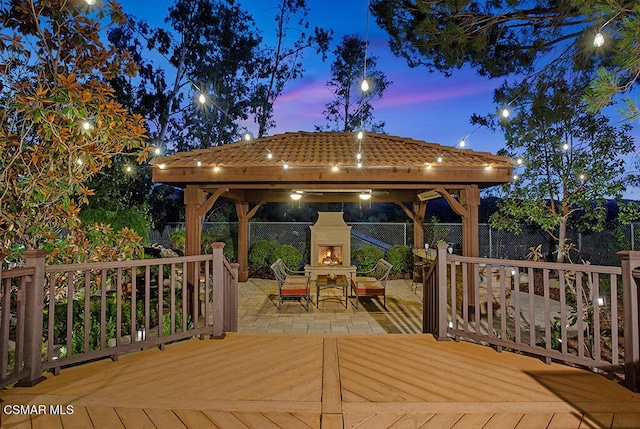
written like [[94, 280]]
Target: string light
[[359, 165], [157, 151], [199, 163], [202, 99], [335, 168], [128, 169], [360, 135], [90, 2], [462, 143], [598, 40], [519, 161], [79, 161], [247, 136], [488, 167], [358, 156], [269, 154], [86, 125], [582, 177], [515, 177], [565, 146], [505, 113], [439, 159], [161, 166], [285, 166], [364, 85], [427, 166], [216, 169]]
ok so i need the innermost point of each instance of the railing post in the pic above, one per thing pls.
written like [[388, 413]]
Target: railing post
[[440, 333], [34, 304], [218, 290], [629, 261], [231, 299]]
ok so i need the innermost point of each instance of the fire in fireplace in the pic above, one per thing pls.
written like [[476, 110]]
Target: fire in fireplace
[[329, 255]]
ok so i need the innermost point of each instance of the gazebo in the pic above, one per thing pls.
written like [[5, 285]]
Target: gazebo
[[331, 167]]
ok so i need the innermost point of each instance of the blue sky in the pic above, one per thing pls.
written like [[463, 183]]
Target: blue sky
[[419, 104]]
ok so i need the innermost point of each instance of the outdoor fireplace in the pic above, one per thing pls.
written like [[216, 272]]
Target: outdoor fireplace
[[330, 246]]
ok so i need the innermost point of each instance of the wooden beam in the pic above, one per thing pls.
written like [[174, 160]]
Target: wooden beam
[[458, 208], [204, 208]]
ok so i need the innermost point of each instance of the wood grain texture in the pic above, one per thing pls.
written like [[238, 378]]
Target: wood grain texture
[[326, 381]]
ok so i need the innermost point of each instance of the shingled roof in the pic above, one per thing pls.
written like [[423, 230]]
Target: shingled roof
[[322, 149], [312, 160]]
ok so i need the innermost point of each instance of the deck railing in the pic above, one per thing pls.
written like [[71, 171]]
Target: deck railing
[[563, 312], [66, 314]]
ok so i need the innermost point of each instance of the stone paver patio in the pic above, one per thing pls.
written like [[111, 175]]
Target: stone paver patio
[[258, 311]]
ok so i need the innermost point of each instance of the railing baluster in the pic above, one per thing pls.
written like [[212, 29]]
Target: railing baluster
[[87, 311], [547, 309], [70, 313], [172, 286], [614, 319], [563, 311], [103, 309], [454, 294], [580, 314], [160, 300], [147, 301], [20, 325], [477, 315], [595, 295], [489, 275], [465, 296], [5, 289], [503, 302], [532, 310], [134, 304], [517, 316], [118, 307]]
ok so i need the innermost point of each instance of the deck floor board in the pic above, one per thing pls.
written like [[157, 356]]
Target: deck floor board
[[314, 381]]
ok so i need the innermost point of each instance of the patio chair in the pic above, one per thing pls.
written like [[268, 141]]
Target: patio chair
[[291, 284], [372, 283]]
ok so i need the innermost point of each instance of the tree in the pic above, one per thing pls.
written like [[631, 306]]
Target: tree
[[283, 63], [573, 160], [501, 37], [213, 48], [59, 123], [351, 107]]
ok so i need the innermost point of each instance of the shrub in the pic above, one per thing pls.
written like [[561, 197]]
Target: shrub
[[262, 254], [132, 218], [178, 239], [367, 257], [289, 255], [401, 257]]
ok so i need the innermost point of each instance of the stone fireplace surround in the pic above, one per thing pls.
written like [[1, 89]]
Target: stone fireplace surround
[[330, 230]]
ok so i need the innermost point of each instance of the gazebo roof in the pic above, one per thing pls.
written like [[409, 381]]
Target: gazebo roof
[[328, 160]]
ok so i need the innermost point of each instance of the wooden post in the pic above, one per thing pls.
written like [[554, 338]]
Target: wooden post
[[439, 295], [242, 208], [470, 200], [34, 304], [218, 290], [193, 198], [231, 300], [419, 209], [629, 261]]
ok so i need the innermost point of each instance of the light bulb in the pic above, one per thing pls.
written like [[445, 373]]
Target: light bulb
[[128, 169], [439, 159], [598, 41], [582, 177], [365, 196], [359, 165], [462, 143], [157, 151], [202, 99], [247, 136], [86, 125], [565, 146], [505, 113], [360, 135], [161, 166], [335, 168], [364, 85], [515, 177], [216, 169], [269, 155], [488, 167], [519, 161], [90, 2], [79, 161], [285, 166], [199, 163], [359, 156]]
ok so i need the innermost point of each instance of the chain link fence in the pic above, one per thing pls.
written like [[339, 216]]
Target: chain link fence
[[599, 248]]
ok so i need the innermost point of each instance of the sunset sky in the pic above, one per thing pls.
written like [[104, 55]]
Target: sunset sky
[[419, 104]]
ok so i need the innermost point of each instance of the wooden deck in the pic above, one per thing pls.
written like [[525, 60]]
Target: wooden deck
[[325, 381]]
